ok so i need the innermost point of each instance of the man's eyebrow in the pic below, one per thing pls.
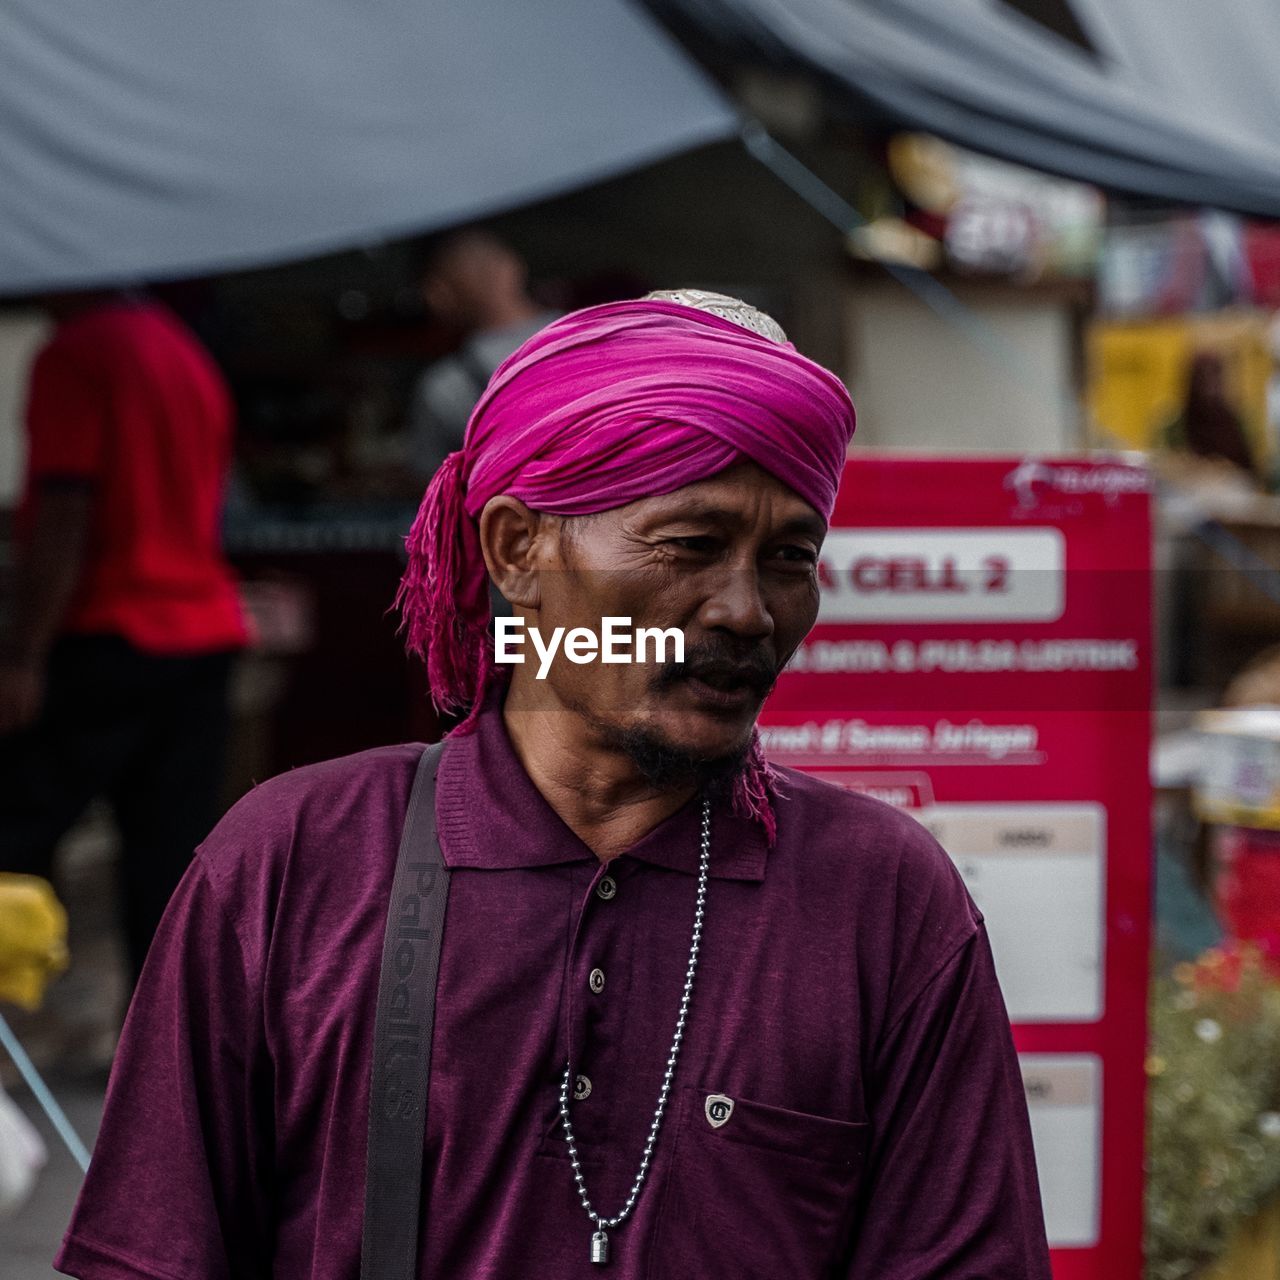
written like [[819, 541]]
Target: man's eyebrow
[[812, 524]]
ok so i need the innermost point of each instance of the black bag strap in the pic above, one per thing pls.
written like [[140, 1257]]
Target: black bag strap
[[402, 1038]]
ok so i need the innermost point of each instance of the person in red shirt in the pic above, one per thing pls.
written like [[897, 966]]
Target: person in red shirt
[[125, 616]]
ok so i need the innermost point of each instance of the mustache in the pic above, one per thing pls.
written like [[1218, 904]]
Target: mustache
[[722, 663]]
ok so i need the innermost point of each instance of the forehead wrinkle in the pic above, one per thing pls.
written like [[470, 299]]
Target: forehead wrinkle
[[718, 513], [696, 509]]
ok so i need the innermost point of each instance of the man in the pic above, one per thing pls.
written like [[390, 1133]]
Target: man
[[703, 1017], [121, 631], [478, 285]]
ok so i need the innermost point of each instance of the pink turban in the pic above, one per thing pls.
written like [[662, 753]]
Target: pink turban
[[604, 406]]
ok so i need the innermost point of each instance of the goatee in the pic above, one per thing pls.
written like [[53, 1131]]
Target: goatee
[[666, 767]]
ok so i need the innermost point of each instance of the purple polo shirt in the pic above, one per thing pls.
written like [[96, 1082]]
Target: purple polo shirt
[[845, 1001]]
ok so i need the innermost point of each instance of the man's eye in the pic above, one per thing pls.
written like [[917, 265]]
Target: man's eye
[[702, 544], [798, 554]]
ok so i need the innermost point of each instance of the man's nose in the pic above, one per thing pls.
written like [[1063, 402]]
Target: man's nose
[[737, 604]]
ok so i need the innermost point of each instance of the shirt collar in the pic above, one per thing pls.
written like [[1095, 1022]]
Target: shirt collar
[[491, 816]]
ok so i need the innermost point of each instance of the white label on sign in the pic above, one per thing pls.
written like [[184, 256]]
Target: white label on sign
[[942, 575], [1036, 872], [1064, 1098]]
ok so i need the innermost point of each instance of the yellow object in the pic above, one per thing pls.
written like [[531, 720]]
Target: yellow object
[[1137, 374], [33, 938], [1255, 1250], [924, 168]]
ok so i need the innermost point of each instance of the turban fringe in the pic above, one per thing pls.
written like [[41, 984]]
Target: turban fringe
[[443, 596], [600, 408]]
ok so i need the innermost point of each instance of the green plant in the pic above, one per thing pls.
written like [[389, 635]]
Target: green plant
[[1213, 1137]]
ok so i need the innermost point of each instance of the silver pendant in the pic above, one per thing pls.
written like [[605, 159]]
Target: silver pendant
[[600, 1247]]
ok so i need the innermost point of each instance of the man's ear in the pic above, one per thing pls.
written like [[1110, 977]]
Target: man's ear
[[513, 549]]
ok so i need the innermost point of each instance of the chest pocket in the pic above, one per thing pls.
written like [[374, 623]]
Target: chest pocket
[[755, 1192]]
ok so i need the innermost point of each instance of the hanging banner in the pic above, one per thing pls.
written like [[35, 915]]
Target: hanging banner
[[983, 659]]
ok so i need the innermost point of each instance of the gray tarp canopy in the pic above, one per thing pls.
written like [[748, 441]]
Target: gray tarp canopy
[[1166, 98], [160, 138]]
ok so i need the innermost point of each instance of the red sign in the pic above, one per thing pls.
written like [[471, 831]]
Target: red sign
[[983, 659]]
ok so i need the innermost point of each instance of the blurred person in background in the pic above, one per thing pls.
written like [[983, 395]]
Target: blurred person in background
[[477, 284], [1208, 426], [124, 617]]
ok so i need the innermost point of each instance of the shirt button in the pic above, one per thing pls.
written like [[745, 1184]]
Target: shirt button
[[607, 888], [596, 980], [581, 1088]]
